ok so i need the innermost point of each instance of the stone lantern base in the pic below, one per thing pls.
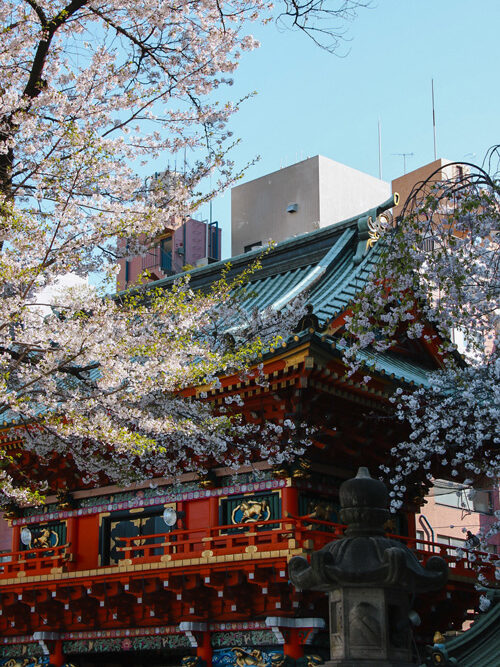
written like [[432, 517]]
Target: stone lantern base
[[369, 626]]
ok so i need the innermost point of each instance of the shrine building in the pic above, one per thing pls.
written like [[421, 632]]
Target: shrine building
[[195, 569]]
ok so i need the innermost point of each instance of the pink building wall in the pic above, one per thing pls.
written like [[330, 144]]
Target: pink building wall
[[189, 245], [451, 522]]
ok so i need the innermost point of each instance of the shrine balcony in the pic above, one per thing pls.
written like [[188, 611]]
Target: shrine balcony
[[262, 540], [33, 561]]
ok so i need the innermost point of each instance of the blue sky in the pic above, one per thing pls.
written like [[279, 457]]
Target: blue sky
[[311, 102]]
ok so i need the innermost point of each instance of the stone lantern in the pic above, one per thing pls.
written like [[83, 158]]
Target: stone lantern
[[370, 580]]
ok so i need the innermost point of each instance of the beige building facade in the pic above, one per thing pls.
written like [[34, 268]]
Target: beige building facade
[[305, 196]]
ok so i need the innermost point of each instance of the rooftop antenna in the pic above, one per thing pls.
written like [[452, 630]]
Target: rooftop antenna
[[434, 119], [379, 150], [210, 210], [404, 156]]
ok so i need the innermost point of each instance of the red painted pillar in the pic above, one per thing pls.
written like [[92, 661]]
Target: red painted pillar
[[290, 507], [293, 647], [16, 538], [72, 536], [289, 499], [56, 656], [204, 650], [213, 511]]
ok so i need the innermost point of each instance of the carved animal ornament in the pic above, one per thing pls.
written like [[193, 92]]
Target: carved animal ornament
[[249, 511], [321, 511], [244, 658], [43, 538]]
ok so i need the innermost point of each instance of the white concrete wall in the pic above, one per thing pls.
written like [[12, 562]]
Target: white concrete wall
[[258, 208], [346, 192], [325, 192]]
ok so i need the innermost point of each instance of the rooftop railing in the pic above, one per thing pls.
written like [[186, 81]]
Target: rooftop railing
[[157, 257]]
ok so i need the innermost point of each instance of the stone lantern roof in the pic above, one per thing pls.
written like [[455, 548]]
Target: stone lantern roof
[[365, 556]]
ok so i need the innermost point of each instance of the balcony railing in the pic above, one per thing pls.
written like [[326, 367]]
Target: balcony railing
[[272, 536], [157, 257], [33, 561], [239, 538]]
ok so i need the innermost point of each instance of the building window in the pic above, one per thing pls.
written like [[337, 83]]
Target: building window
[[428, 244], [467, 499], [452, 542], [420, 540], [481, 501]]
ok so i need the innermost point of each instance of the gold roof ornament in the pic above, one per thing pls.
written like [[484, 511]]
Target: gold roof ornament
[[372, 225], [377, 226], [302, 470]]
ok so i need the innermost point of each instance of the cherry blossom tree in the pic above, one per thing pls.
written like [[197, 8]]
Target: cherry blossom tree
[[91, 92], [438, 281]]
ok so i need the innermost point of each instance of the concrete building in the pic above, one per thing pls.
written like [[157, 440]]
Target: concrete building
[[300, 198], [443, 169]]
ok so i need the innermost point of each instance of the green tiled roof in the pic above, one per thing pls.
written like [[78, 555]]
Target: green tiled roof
[[393, 366], [323, 262], [332, 263], [480, 645]]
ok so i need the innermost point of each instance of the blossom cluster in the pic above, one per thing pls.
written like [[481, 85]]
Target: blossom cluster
[[436, 281], [90, 92], [437, 277]]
